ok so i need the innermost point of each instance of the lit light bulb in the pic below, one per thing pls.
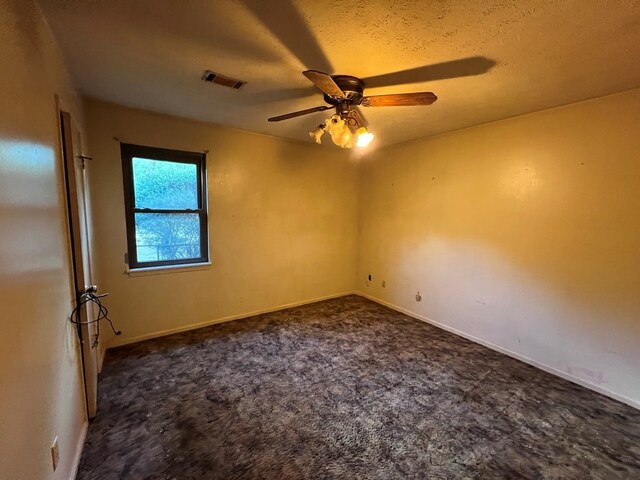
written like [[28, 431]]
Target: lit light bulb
[[364, 137]]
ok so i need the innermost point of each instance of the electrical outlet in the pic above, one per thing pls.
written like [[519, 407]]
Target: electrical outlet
[[55, 453], [418, 297], [384, 284]]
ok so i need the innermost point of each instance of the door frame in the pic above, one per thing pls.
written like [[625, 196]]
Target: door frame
[[79, 268]]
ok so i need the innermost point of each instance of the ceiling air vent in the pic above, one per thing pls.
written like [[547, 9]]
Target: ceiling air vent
[[212, 77]]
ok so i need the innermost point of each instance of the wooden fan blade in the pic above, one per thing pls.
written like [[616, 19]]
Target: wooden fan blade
[[400, 99], [325, 83], [300, 113]]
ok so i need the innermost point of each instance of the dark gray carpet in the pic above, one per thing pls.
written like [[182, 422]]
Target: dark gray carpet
[[346, 389]]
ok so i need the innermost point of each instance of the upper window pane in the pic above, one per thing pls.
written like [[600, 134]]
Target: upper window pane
[[165, 185]]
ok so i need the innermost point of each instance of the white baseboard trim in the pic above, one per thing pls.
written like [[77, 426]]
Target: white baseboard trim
[[517, 356], [79, 448], [162, 333]]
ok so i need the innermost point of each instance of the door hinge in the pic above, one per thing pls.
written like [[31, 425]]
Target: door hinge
[[83, 158]]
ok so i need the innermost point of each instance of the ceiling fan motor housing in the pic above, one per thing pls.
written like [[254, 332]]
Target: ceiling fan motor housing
[[353, 88]]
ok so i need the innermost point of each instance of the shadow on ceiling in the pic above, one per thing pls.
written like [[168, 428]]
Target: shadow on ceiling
[[464, 67], [285, 22]]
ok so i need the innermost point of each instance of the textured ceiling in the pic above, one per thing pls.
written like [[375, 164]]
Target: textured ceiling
[[508, 57]]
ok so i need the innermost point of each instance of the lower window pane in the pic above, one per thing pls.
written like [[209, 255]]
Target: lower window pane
[[167, 236]]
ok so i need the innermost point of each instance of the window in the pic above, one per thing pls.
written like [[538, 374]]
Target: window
[[166, 207]]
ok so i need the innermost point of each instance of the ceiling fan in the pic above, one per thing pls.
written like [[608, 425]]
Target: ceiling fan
[[345, 93]]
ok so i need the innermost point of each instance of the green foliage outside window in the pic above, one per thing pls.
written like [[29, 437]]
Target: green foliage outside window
[[164, 185]]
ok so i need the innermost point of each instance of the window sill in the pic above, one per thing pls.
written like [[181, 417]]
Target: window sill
[[165, 269]]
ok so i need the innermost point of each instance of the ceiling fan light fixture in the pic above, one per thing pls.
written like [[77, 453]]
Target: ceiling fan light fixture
[[341, 134]]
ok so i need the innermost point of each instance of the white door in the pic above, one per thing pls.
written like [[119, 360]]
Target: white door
[[79, 223]]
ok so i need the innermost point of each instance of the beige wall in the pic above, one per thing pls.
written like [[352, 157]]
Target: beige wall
[[524, 234], [282, 221], [40, 389]]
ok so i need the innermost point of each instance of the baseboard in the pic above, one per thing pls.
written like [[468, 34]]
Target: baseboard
[[163, 333], [79, 448], [517, 356]]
